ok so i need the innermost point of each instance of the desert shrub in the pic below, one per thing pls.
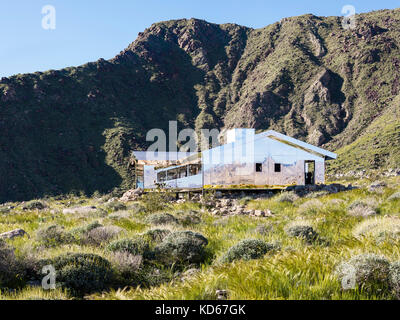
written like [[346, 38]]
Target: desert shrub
[[53, 236], [189, 218], [394, 196], [363, 208], [136, 208], [34, 204], [8, 265], [29, 264], [126, 262], [335, 202], [138, 246], [287, 197], [161, 218], [83, 273], [87, 228], [156, 235], [156, 201], [100, 235], [310, 207], [128, 268], [369, 272], [181, 248], [381, 229], [248, 249], [394, 278], [302, 230], [115, 206]]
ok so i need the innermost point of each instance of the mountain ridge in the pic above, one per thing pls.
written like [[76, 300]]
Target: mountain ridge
[[303, 76]]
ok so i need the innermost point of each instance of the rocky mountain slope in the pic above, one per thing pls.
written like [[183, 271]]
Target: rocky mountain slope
[[73, 129]]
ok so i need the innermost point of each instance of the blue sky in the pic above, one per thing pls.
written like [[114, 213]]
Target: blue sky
[[91, 29]]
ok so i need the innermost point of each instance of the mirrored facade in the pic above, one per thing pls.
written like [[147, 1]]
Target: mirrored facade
[[247, 160]]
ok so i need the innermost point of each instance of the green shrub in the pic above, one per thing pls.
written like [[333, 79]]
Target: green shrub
[[156, 235], [8, 265], [115, 206], [53, 236], [248, 249], [302, 230], [287, 197], [369, 272], [363, 208], [394, 278], [86, 228], [138, 246], [128, 267], [155, 201], [83, 273], [100, 235], [161, 218], [310, 207], [381, 229], [189, 218], [181, 248]]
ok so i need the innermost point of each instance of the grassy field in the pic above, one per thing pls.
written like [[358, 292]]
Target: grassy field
[[295, 265]]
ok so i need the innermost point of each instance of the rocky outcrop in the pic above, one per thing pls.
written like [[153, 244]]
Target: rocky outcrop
[[131, 195]]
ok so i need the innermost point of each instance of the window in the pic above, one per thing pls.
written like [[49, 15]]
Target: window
[[161, 176], [194, 169], [183, 172], [172, 174], [278, 167], [258, 167]]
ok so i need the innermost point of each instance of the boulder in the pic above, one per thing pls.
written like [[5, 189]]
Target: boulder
[[13, 234], [221, 294], [131, 195]]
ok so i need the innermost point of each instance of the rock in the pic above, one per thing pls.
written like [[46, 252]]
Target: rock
[[268, 213], [221, 294], [218, 195], [331, 189], [259, 213], [377, 185], [131, 195], [13, 234]]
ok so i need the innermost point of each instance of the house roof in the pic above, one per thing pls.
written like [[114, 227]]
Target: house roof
[[161, 158], [298, 144]]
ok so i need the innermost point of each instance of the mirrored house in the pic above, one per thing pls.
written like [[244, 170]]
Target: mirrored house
[[247, 160]]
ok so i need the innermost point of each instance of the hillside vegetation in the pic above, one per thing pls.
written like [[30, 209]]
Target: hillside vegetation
[[318, 245], [72, 130]]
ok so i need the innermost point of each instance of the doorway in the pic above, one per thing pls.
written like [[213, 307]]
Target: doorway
[[309, 171]]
